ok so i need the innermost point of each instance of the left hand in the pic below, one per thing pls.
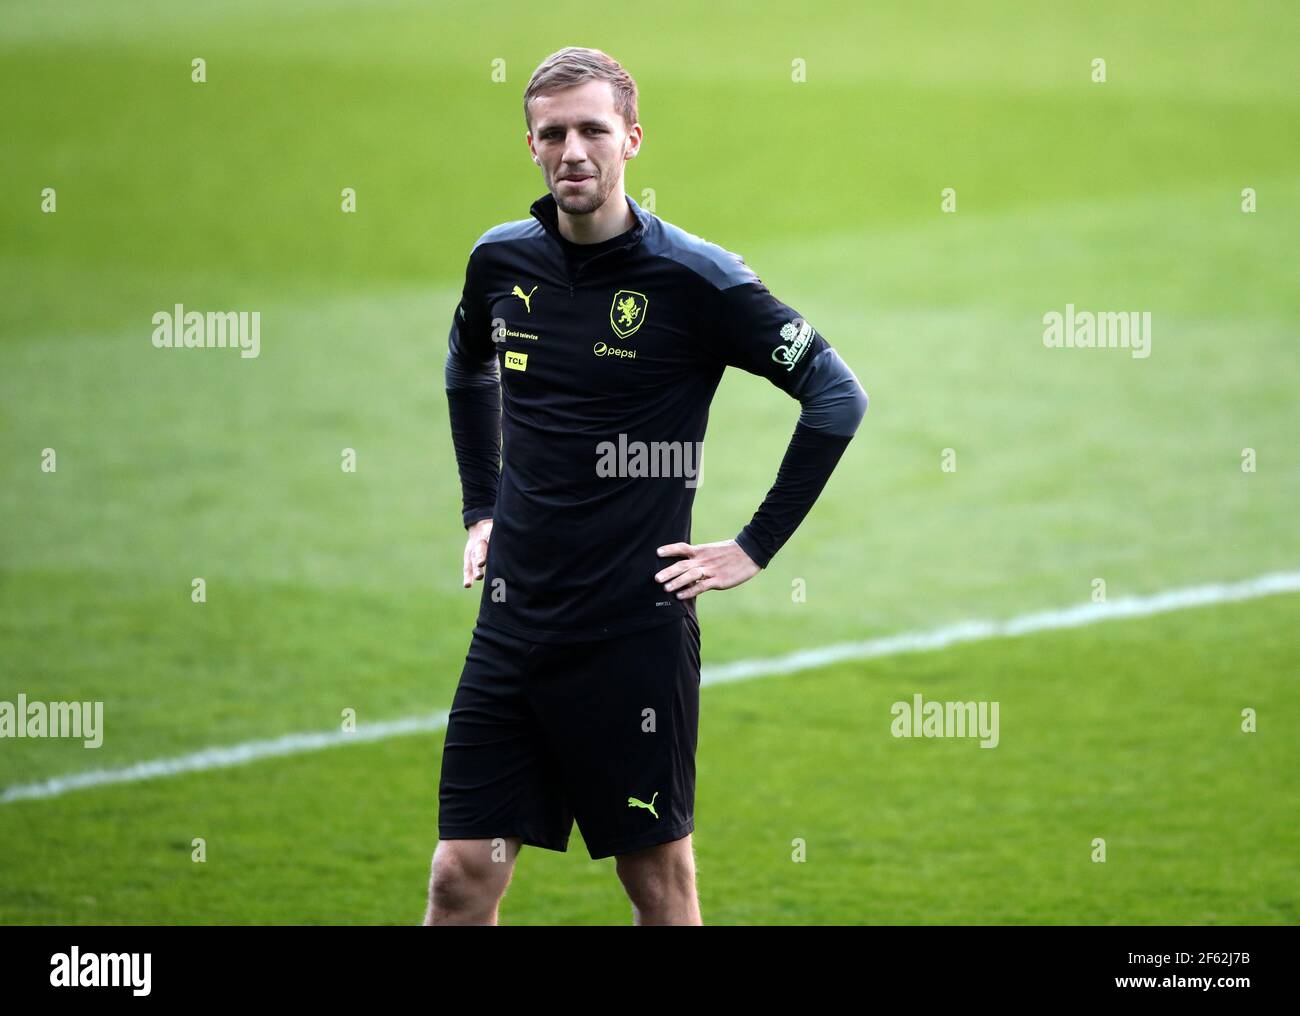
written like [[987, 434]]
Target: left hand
[[705, 566]]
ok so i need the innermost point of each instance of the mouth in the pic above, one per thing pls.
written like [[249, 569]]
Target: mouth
[[576, 181]]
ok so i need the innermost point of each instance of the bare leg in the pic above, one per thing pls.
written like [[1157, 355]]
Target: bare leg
[[468, 878], [660, 882]]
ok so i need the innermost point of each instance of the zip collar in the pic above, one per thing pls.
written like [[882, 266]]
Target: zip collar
[[544, 210]]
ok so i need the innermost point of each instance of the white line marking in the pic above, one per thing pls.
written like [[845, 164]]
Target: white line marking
[[805, 659], [220, 758], [1025, 624]]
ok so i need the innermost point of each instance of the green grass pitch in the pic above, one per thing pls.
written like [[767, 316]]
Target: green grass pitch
[[330, 590]]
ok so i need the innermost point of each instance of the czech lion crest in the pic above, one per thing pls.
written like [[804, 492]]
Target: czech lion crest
[[627, 312]]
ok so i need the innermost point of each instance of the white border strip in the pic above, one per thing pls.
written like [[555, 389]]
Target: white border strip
[[805, 659]]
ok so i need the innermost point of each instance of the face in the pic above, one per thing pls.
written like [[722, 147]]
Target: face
[[581, 143]]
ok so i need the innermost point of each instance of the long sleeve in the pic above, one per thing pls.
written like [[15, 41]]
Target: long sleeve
[[473, 385], [833, 406], [755, 331]]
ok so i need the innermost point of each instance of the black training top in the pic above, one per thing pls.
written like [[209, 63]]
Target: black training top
[[580, 253], [608, 359]]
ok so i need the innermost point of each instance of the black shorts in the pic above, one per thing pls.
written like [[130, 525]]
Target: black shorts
[[604, 731]]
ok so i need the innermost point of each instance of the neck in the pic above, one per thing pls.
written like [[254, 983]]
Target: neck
[[610, 219]]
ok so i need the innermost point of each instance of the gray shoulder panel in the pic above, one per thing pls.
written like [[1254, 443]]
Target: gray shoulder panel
[[520, 229], [719, 266]]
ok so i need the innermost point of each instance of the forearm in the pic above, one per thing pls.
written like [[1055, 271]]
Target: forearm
[[808, 463], [474, 406], [833, 405]]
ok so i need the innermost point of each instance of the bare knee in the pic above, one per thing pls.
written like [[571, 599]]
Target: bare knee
[[468, 878], [660, 882]]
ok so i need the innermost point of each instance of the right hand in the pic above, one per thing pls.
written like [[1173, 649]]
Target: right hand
[[476, 548]]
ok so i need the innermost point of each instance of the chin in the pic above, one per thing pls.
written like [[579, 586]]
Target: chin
[[580, 205]]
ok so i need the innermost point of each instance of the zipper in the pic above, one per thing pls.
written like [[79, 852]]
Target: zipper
[[573, 278]]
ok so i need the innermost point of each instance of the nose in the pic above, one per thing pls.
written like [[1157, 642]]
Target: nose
[[574, 152]]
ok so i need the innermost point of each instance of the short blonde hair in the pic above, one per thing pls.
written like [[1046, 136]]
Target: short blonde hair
[[575, 65]]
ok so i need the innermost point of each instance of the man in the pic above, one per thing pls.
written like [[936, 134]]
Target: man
[[587, 336]]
